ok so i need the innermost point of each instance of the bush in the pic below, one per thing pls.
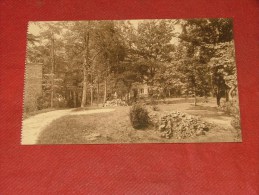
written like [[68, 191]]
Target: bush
[[139, 116], [131, 101], [40, 102], [232, 108], [155, 108], [235, 122], [43, 102]]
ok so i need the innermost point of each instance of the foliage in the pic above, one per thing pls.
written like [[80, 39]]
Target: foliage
[[224, 75], [232, 108], [153, 47], [98, 58], [205, 43], [235, 122], [155, 108], [139, 116]]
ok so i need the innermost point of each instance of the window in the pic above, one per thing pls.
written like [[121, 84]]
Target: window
[[141, 90]]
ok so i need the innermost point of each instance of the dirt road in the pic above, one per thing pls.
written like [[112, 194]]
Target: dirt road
[[32, 127]]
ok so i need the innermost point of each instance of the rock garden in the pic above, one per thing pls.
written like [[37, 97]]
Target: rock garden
[[115, 102], [172, 124]]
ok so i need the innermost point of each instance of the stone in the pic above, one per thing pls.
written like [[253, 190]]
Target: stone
[[93, 136], [206, 129], [181, 124], [161, 127], [163, 135], [168, 125], [200, 132]]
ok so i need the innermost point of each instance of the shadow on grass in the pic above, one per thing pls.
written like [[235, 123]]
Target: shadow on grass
[[202, 107]]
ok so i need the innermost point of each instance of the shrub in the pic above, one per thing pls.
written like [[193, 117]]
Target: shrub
[[40, 102], [232, 108], [153, 102], [139, 116], [235, 122], [43, 102], [131, 101], [155, 108]]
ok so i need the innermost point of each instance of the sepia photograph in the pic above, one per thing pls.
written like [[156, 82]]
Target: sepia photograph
[[131, 81]]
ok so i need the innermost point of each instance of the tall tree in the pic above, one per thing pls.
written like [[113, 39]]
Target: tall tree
[[80, 47], [153, 46], [110, 43], [43, 49], [203, 35]]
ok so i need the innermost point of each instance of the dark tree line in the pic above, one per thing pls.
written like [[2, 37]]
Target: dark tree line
[[87, 61]]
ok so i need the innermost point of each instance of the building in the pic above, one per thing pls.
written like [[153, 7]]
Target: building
[[32, 86], [139, 90]]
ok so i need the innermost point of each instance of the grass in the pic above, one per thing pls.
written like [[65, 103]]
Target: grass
[[115, 127]]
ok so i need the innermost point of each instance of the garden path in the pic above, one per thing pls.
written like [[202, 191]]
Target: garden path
[[32, 127]]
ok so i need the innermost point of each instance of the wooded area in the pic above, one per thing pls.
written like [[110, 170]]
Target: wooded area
[[90, 62]]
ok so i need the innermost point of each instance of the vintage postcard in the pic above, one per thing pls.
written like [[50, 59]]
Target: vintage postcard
[[130, 81]]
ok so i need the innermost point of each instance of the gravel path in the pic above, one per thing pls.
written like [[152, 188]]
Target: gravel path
[[32, 127]]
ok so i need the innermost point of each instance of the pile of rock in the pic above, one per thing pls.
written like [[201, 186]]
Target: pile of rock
[[180, 125], [115, 102]]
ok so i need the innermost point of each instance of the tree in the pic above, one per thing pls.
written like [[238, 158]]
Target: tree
[[80, 49], [203, 36], [153, 46], [111, 56], [110, 43], [224, 70], [42, 49]]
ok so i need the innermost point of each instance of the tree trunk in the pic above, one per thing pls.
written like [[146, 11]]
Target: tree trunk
[[230, 92], [83, 102], [52, 72], [91, 87], [105, 91], [227, 95], [85, 64], [91, 91], [52, 92], [98, 91], [74, 98], [105, 85], [195, 97], [195, 100], [218, 99]]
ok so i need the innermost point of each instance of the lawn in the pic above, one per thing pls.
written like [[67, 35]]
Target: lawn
[[115, 127], [112, 127]]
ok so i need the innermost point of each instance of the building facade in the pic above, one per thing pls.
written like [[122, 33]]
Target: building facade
[[140, 89], [32, 86]]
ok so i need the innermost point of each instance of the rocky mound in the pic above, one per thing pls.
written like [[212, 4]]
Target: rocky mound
[[179, 125], [115, 102]]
